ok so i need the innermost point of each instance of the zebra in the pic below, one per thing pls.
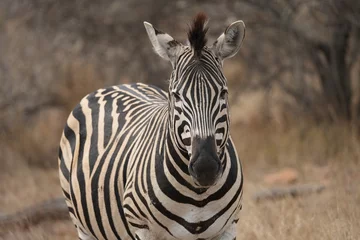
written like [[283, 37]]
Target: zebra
[[136, 162]]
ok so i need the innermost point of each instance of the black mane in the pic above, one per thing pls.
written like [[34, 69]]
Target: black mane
[[197, 33]]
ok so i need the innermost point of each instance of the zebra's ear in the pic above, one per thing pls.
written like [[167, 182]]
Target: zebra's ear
[[164, 45], [228, 44]]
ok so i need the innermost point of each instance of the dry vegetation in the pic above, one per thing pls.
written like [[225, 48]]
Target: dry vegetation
[[322, 154], [326, 154]]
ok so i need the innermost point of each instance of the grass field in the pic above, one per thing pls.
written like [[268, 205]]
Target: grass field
[[324, 154]]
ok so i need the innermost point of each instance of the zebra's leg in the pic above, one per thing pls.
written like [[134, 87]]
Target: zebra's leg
[[83, 235], [229, 234], [145, 234]]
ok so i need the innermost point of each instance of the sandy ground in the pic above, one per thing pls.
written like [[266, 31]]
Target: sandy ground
[[331, 214]]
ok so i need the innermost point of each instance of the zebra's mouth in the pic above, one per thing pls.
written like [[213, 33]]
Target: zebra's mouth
[[202, 185], [205, 175]]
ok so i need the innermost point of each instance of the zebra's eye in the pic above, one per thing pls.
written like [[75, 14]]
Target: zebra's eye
[[223, 94], [176, 97]]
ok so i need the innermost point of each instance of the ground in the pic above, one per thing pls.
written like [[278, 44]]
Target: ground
[[328, 155]]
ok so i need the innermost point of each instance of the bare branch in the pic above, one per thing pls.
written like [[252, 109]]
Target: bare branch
[[44, 211], [292, 191]]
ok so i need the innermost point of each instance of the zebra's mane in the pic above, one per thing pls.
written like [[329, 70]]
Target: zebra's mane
[[197, 33]]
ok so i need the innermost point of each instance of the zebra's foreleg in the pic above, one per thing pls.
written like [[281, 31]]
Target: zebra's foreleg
[[229, 234], [83, 235], [145, 234]]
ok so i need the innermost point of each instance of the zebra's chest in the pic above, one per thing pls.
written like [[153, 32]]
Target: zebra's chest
[[171, 218], [189, 222]]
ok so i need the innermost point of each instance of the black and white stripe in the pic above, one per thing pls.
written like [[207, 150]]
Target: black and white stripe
[[127, 151]]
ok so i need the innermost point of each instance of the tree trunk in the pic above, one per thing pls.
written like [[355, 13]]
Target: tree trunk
[[334, 72], [340, 70]]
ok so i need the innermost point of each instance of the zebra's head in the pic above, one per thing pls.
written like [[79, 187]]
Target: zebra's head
[[198, 103]]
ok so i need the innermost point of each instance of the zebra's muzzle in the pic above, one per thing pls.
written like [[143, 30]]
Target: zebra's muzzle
[[205, 166]]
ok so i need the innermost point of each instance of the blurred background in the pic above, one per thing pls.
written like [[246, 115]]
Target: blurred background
[[294, 99]]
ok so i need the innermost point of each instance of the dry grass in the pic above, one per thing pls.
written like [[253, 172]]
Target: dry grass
[[326, 154]]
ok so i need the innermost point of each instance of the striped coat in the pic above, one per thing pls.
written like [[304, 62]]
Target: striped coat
[[125, 176]]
